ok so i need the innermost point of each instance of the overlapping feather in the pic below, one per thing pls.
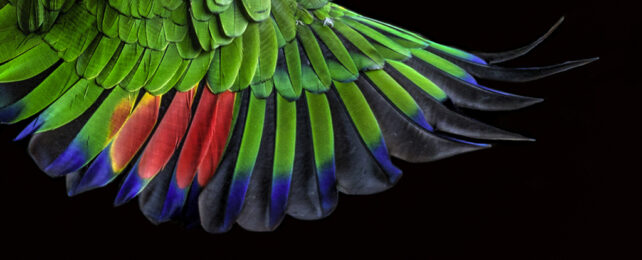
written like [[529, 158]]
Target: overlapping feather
[[239, 111]]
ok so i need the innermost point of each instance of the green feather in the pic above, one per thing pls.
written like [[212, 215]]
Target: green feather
[[233, 21], [252, 135], [321, 127], [405, 39], [313, 4], [196, 71], [225, 66], [29, 64], [145, 8], [31, 15], [364, 63], [8, 17], [174, 80], [14, 42], [172, 4], [314, 54], [311, 82], [54, 5], [202, 31], [127, 60], [218, 6], [250, 60], [257, 10], [359, 111], [389, 54], [153, 35], [340, 73], [128, 29], [283, 12], [109, 67], [440, 63], [133, 11], [45, 93], [420, 80], [262, 89], [121, 5], [284, 86], [91, 5], [73, 33], [144, 69], [188, 49], [199, 10], [378, 37], [101, 56], [334, 44], [70, 105], [285, 137], [174, 32], [165, 70], [304, 16], [180, 14], [293, 61], [360, 43], [85, 57], [279, 36], [218, 37], [268, 54], [393, 91], [108, 21]]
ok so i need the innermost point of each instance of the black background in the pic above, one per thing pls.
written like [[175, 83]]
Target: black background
[[572, 194]]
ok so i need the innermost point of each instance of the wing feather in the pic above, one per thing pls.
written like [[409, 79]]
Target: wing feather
[[241, 111]]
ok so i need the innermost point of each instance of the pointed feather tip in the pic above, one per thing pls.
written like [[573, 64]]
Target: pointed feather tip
[[83, 186], [121, 199], [76, 190], [558, 68], [71, 182], [507, 136], [520, 103], [129, 190], [588, 61], [72, 190], [524, 102], [22, 135], [97, 175], [174, 201], [578, 63], [533, 101], [500, 57], [566, 66], [71, 193], [30, 129], [513, 137], [520, 138]]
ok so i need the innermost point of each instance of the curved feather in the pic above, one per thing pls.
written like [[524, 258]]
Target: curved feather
[[298, 100]]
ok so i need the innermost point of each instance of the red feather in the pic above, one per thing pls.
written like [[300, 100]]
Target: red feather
[[168, 135], [135, 131], [221, 124], [197, 140]]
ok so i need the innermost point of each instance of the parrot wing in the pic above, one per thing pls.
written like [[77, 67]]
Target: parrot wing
[[217, 112]]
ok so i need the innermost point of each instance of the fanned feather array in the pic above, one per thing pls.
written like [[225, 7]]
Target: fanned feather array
[[218, 112]]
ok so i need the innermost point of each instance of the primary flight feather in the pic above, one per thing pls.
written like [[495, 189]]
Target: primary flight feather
[[216, 112]]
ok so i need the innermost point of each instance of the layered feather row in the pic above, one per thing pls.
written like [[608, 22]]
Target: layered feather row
[[239, 111]]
